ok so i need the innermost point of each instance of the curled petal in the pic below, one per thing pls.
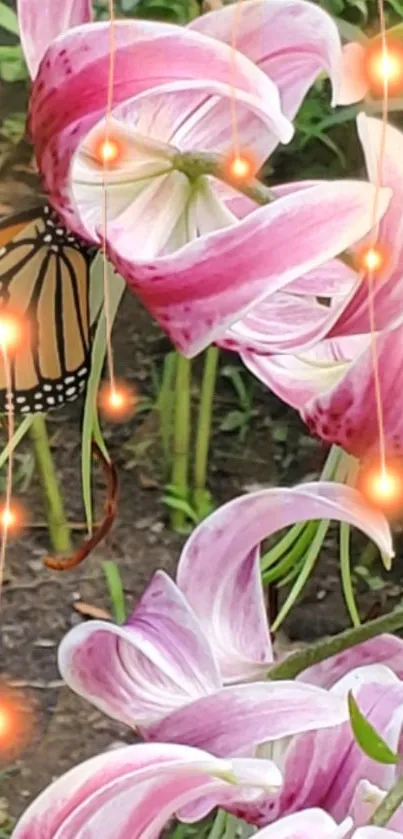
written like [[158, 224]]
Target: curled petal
[[388, 281], [41, 21], [385, 649], [219, 574], [235, 720], [347, 414], [353, 84], [290, 40], [296, 381], [139, 672], [70, 92], [306, 825], [130, 792], [197, 292]]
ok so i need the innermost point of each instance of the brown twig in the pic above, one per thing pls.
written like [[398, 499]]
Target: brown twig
[[66, 563]]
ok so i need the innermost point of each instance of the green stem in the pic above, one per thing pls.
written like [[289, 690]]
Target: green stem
[[329, 472], [165, 403], [59, 530], [180, 464], [203, 432], [308, 566], [297, 662], [389, 805], [195, 166], [369, 555], [345, 571], [218, 827]]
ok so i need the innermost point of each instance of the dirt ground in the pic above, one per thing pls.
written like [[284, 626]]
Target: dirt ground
[[37, 606]]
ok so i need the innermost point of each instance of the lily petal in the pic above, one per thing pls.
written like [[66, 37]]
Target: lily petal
[[295, 380], [41, 21], [376, 833], [347, 413], [306, 825], [235, 720], [130, 792], [219, 572], [315, 763], [75, 72], [385, 649], [192, 292], [290, 40], [367, 798], [139, 672], [353, 84], [388, 283], [382, 705]]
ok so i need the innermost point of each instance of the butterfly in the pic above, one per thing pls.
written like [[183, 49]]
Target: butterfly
[[44, 284]]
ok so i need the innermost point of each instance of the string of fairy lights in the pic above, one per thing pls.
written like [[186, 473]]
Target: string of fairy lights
[[383, 70]]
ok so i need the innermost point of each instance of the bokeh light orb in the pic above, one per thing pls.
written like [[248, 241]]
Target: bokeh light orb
[[240, 167], [17, 722], [383, 486], [12, 332], [13, 517], [371, 259], [117, 401], [384, 65]]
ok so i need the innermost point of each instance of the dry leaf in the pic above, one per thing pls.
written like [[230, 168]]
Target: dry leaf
[[89, 611]]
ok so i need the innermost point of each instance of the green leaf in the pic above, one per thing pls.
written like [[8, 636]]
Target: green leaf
[[90, 421], [233, 421], [12, 64], [115, 588], [368, 739], [176, 503], [8, 19]]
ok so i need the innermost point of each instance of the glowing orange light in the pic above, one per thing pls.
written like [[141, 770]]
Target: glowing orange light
[[240, 167], [381, 66], [6, 722], [371, 259], [117, 401], [108, 151], [12, 518], [11, 332], [16, 722], [383, 487]]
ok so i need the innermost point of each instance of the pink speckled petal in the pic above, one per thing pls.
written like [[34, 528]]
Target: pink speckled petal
[[40, 21], [329, 280], [290, 40], [322, 768], [296, 380], [387, 284], [353, 84], [258, 331], [129, 793], [227, 597], [69, 95], [385, 649], [197, 292], [382, 705], [157, 661], [236, 719], [347, 414]]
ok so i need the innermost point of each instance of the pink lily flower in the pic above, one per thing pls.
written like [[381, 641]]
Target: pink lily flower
[[133, 791], [180, 668], [321, 362], [195, 262]]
